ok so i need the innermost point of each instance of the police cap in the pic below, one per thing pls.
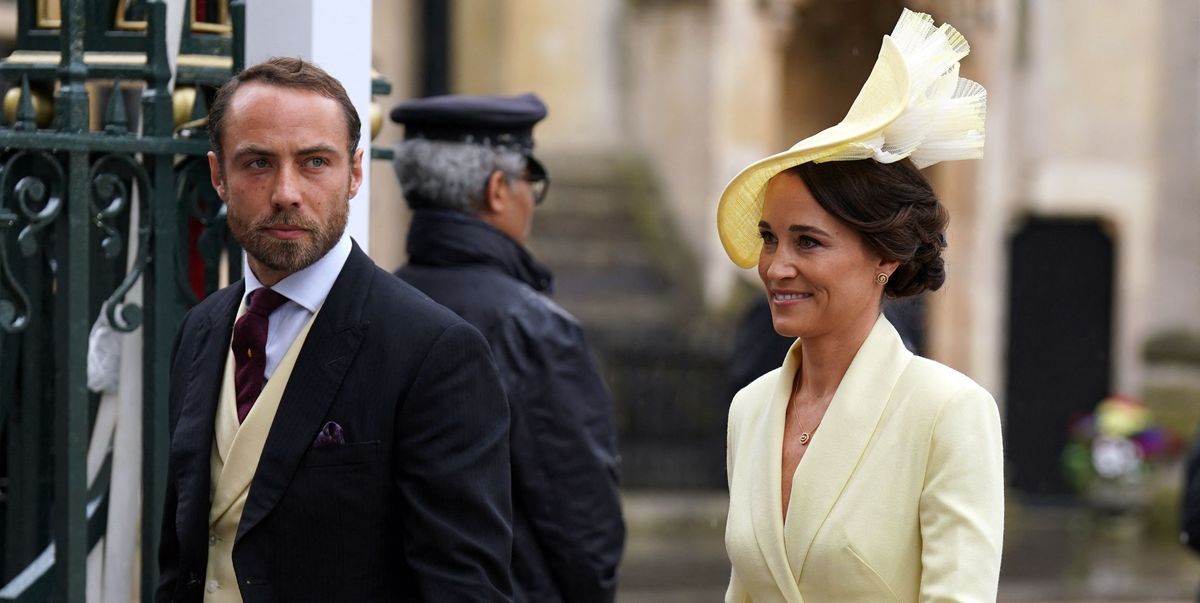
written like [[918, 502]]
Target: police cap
[[500, 121]]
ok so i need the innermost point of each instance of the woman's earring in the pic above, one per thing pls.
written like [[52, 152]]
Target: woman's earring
[[881, 278]]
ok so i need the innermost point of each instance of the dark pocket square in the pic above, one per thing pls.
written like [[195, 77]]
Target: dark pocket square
[[330, 435]]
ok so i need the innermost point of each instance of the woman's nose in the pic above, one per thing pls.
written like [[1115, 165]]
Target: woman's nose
[[780, 267]]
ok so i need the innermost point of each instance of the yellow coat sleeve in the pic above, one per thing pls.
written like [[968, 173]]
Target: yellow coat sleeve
[[736, 593], [962, 501]]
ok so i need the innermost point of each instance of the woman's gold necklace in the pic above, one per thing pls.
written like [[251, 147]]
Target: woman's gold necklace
[[806, 436]]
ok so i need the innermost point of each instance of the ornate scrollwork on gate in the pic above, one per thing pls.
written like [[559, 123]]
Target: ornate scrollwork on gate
[[110, 197], [38, 197], [206, 208], [39, 201], [9, 320]]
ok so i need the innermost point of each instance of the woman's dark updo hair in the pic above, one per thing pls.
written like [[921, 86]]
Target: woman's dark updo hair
[[893, 208]]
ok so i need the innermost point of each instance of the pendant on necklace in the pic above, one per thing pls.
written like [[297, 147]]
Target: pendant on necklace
[[804, 438]]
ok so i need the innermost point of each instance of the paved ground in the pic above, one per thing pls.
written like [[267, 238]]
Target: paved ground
[[676, 554]]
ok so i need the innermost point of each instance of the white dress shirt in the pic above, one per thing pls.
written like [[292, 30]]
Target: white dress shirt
[[306, 291]]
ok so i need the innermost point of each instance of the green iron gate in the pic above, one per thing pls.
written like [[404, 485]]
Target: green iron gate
[[67, 188], [73, 166]]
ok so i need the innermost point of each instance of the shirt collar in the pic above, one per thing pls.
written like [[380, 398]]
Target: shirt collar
[[308, 287]]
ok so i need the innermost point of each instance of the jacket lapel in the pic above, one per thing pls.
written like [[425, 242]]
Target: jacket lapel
[[193, 437], [844, 434], [767, 499], [328, 352], [241, 445]]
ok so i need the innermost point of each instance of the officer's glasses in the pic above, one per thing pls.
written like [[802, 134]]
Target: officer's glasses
[[538, 185]]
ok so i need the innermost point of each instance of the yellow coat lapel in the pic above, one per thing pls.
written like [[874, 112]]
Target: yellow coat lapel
[[845, 431], [766, 500]]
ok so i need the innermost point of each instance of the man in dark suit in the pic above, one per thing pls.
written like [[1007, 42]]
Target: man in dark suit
[[468, 172], [345, 438]]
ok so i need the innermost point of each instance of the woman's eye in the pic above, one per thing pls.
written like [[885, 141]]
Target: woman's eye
[[767, 237], [807, 242]]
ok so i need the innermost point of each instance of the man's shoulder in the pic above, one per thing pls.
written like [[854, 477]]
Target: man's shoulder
[[506, 303], [461, 285], [222, 300], [514, 301], [230, 292], [544, 311], [391, 300], [459, 277]]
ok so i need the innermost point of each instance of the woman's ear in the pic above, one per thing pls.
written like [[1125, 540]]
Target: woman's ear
[[887, 266]]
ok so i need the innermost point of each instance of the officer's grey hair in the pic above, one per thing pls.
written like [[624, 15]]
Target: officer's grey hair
[[437, 174]]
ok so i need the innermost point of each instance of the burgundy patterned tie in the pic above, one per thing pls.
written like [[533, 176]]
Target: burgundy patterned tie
[[250, 348]]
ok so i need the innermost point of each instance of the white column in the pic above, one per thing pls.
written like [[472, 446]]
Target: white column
[[337, 37]]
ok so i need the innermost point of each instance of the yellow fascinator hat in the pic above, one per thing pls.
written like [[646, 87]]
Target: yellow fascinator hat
[[912, 105]]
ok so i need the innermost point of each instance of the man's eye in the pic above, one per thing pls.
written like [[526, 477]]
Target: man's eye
[[316, 162], [257, 163]]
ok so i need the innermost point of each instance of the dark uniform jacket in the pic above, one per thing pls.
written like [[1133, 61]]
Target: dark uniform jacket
[[414, 505], [568, 532], [1190, 522]]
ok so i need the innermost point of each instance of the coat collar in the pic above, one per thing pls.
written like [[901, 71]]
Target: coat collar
[[831, 458], [451, 238]]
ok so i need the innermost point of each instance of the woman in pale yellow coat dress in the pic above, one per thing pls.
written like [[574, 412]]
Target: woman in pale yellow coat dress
[[858, 471]]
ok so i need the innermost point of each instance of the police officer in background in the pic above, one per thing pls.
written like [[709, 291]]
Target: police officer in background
[[468, 173]]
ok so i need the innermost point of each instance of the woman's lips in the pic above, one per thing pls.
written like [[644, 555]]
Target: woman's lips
[[785, 298]]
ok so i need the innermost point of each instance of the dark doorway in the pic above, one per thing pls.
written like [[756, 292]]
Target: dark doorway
[[1060, 341]]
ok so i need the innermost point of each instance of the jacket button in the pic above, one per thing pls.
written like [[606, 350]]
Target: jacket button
[[212, 586], [212, 539]]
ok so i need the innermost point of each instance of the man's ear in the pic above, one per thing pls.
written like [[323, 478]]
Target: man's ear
[[496, 196], [355, 172], [214, 174]]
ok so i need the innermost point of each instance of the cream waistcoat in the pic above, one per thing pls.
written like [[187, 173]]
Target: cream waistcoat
[[235, 453]]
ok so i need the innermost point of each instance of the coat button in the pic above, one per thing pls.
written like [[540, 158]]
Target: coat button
[[212, 539], [212, 586]]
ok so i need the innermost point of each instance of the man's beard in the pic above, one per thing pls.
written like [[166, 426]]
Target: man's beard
[[289, 256]]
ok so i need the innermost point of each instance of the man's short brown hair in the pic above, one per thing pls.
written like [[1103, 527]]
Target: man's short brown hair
[[286, 72]]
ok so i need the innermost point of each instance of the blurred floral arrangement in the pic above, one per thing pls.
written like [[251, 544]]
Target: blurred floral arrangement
[[1117, 445]]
